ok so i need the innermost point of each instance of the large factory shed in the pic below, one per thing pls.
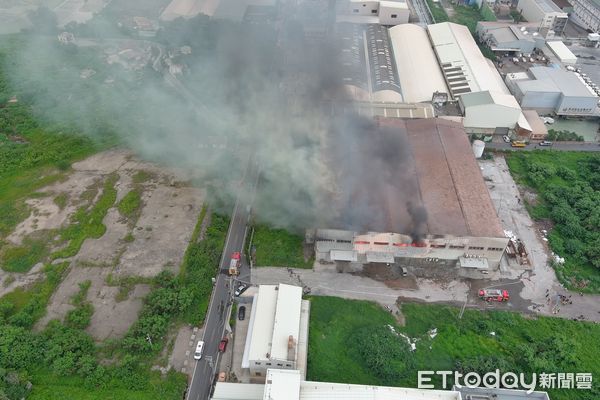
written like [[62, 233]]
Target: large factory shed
[[450, 183], [439, 174], [419, 73]]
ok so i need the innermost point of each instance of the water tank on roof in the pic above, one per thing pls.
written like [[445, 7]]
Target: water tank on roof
[[478, 147]]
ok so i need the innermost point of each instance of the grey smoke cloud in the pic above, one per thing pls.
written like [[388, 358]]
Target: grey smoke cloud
[[244, 89]]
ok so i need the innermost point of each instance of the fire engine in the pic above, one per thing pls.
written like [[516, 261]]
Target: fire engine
[[234, 264], [494, 295]]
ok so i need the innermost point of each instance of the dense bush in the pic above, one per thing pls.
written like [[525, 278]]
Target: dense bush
[[568, 185], [384, 352], [564, 136]]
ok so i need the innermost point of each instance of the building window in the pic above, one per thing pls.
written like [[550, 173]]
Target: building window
[[355, 10], [268, 363], [257, 363], [258, 374], [475, 248], [457, 247], [373, 11], [394, 15], [288, 365]]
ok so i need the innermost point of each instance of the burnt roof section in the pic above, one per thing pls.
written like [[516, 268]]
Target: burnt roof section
[[449, 180]]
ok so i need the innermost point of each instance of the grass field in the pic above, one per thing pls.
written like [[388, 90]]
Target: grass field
[[278, 248], [519, 344], [568, 187], [47, 386]]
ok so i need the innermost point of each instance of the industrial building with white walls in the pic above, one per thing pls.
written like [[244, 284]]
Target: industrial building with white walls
[[550, 90], [548, 14], [278, 331], [384, 12], [289, 385], [462, 229]]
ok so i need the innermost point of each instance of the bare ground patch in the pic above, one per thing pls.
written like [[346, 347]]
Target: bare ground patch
[[138, 245]]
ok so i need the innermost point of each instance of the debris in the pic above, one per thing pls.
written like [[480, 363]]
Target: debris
[[432, 333]]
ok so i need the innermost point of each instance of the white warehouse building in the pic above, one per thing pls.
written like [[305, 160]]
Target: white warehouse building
[[548, 14], [277, 335], [551, 90], [382, 12], [467, 73]]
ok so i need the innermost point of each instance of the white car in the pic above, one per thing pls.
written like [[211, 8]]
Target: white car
[[199, 348], [506, 139]]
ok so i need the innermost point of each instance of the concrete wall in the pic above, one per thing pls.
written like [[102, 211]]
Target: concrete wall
[[540, 100], [363, 8], [393, 14], [575, 105]]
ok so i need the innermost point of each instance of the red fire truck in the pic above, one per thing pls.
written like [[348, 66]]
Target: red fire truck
[[494, 295], [234, 265]]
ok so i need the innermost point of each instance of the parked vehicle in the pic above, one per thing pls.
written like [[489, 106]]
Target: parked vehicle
[[546, 143], [242, 313], [199, 348], [499, 295], [241, 289], [518, 143], [506, 139], [223, 345], [403, 271], [234, 264]]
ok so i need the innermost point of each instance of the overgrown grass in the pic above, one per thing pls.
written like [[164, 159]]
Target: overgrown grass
[[278, 248], [518, 344], [88, 224], [48, 386], [29, 304], [568, 187], [439, 14], [201, 264], [22, 258], [130, 204]]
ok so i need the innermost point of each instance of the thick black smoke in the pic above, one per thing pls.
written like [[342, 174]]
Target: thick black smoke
[[261, 90]]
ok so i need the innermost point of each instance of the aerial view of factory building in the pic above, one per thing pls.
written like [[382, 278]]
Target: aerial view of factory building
[[450, 187]]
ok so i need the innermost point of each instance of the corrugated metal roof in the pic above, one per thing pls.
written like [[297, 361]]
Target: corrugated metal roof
[[418, 69], [343, 255], [287, 320], [562, 52]]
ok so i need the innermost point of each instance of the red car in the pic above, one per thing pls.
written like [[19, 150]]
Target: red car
[[223, 345]]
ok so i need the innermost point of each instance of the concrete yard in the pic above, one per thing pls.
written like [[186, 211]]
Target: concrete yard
[[139, 246]]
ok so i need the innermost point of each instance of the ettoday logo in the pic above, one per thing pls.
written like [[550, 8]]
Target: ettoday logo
[[507, 380]]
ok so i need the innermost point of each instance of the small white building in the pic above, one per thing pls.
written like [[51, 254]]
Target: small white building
[[548, 14], [278, 330], [562, 52], [383, 12]]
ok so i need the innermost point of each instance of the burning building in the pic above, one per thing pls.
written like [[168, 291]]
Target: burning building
[[432, 193]]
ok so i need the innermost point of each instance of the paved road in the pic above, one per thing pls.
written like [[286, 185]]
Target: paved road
[[219, 308], [562, 146]]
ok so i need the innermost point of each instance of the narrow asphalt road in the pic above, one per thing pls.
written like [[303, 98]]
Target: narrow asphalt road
[[220, 303]]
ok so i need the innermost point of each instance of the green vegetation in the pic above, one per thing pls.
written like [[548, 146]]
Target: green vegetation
[[23, 307], [201, 263], [438, 12], [61, 200], [88, 224], [125, 284], [142, 177], [470, 15], [564, 136], [22, 258], [79, 318], [568, 187], [340, 329], [130, 204], [278, 248]]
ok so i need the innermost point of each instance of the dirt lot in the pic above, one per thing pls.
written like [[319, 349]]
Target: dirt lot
[[139, 246]]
